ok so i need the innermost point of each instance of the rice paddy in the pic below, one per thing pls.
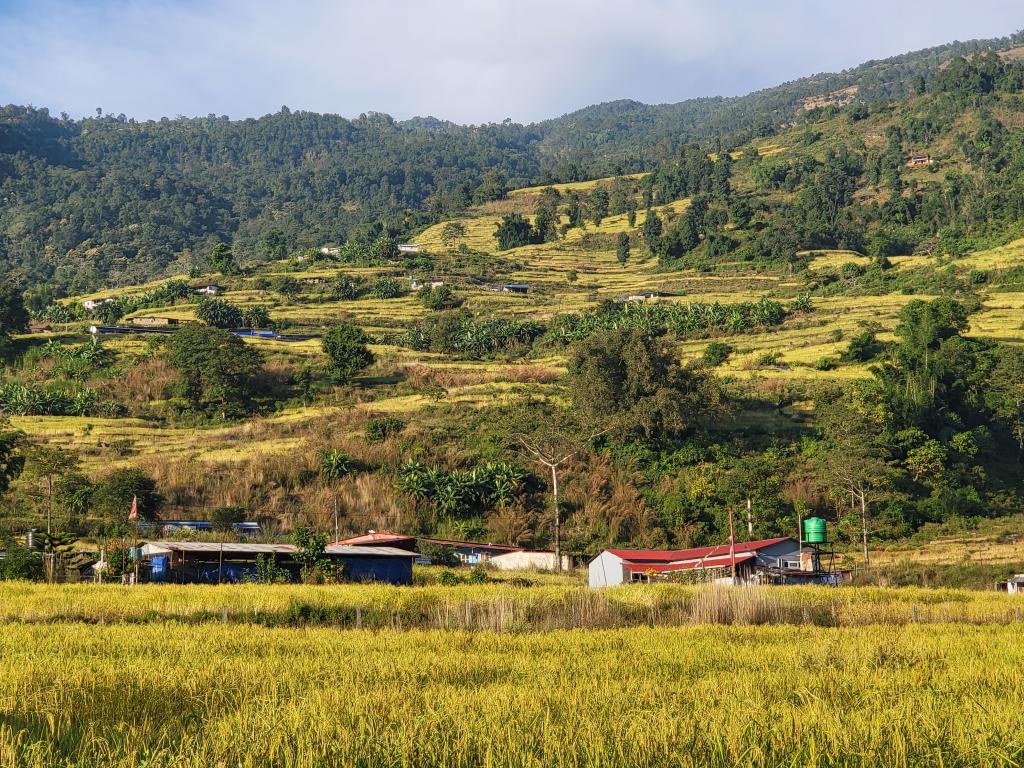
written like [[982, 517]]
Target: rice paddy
[[139, 687]]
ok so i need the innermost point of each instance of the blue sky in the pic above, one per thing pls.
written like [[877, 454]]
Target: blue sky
[[471, 61]]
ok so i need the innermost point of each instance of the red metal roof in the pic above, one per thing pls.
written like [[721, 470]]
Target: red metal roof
[[689, 565], [674, 555]]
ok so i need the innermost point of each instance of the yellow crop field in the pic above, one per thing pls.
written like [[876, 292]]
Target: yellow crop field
[[192, 695]]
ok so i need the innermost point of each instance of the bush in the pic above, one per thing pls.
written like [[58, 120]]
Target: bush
[[716, 353], [223, 519], [387, 288], [825, 364], [345, 346], [862, 348], [449, 579], [381, 428], [20, 562], [347, 288], [219, 313], [439, 298]]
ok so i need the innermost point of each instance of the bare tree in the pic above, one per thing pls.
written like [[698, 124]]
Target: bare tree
[[553, 437]]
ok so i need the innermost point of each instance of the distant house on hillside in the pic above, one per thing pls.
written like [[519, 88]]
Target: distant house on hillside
[[408, 248], [211, 289], [91, 304], [330, 250], [515, 288], [415, 285], [919, 160]]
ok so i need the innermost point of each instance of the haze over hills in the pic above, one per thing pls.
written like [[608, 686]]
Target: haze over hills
[[107, 199]]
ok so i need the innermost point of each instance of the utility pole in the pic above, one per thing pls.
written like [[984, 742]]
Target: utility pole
[[750, 521], [732, 548], [337, 530]]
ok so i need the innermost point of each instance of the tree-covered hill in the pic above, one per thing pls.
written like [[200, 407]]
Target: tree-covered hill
[[108, 200]]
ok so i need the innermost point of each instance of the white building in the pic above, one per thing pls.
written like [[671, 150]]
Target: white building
[[783, 556], [408, 248], [527, 560]]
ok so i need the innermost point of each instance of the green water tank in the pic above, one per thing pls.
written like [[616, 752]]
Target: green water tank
[[814, 530]]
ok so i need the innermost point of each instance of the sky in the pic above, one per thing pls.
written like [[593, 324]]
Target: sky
[[471, 61]]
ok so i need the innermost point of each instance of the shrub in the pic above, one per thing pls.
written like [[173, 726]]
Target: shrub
[[347, 288], [345, 346], [380, 428], [223, 519], [441, 297], [219, 313], [387, 288], [825, 364], [716, 353]]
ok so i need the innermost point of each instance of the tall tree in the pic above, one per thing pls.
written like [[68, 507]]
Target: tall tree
[[216, 368]]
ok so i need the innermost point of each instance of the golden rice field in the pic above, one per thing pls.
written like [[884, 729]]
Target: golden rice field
[[501, 607], [173, 694]]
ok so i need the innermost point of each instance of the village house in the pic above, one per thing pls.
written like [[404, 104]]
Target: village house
[[919, 160], [408, 248], [209, 562], [415, 285], [768, 561], [91, 304], [211, 289], [153, 322], [515, 288]]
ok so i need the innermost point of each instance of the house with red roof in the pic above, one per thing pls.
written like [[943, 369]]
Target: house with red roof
[[755, 562]]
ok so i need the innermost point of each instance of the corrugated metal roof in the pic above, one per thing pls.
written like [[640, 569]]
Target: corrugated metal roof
[[244, 548], [476, 544], [674, 555], [375, 538], [689, 565]]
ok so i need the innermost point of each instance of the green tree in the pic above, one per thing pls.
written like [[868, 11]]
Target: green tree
[[222, 259], [854, 465], [12, 458], [345, 346], [224, 519], [49, 464], [112, 496], [635, 383], [13, 315], [384, 249], [310, 554], [216, 369], [513, 232], [651, 230], [598, 205], [275, 244], [622, 248], [255, 316], [452, 234], [219, 313]]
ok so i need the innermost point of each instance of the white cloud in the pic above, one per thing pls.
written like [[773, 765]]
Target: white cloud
[[471, 61]]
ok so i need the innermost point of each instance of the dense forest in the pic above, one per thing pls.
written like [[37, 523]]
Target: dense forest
[[110, 201]]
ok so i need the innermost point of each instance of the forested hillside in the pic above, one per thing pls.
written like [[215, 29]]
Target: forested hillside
[[820, 316], [111, 201]]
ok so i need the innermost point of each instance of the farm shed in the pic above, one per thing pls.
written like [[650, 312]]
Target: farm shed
[[527, 560], [208, 562], [154, 321], [471, 552], [516, 288], [768, 561]]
